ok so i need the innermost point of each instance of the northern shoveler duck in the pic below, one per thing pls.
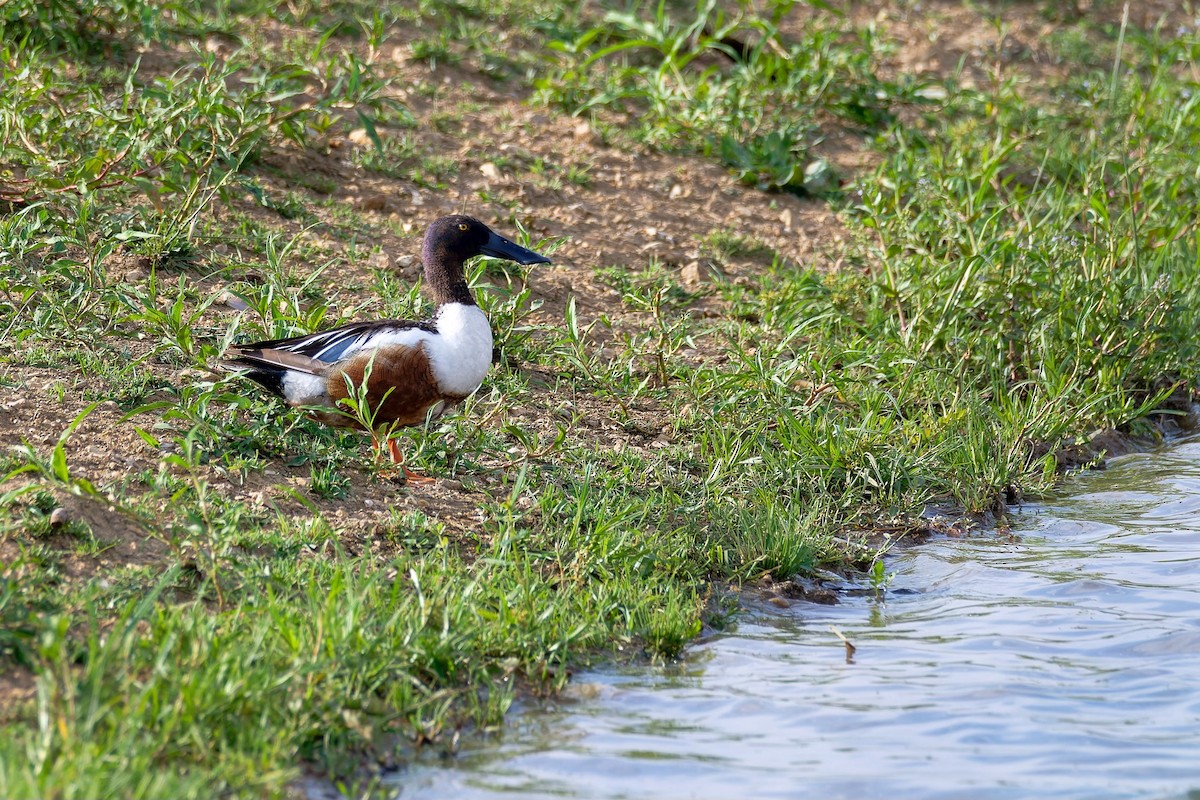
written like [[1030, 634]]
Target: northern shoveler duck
[[416, 369]]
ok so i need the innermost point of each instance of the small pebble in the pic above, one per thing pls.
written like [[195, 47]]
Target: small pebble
[[372, 202], [696, 274], [819, 176], [228, 298], [59, 517]]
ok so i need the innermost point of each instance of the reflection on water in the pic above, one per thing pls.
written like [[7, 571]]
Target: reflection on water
[[1063, 661]]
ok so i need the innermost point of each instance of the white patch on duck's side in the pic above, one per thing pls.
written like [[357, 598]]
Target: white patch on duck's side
[[303, 389], [461, 352]]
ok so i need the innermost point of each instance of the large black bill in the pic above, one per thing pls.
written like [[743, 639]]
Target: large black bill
[[499, 247]]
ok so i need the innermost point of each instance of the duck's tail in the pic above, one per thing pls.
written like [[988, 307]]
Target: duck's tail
[[294, 377]]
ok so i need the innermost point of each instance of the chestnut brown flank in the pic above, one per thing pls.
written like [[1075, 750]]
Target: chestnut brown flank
[[402, 387]]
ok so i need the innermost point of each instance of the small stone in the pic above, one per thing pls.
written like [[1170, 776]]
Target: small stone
[[818, 176], [372, 202], [403, 262], [216, 45], [359, 137], [825, 597], [490, 171], [379, 261], [583, 130], [59, 517], [779, 602], [696, 274], [812, 591], [416, 198], [324, 242], [786, 218], [583, 691], [228, 298], [136, 275], [676, 192]]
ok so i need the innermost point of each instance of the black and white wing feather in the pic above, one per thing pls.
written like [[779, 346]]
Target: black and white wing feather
[[336, 344], [284, 366]]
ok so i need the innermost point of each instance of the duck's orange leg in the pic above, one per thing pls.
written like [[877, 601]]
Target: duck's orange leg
[[398, 460], [386, 472]]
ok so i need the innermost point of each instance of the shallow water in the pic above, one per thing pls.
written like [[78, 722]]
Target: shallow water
[[1061, 661]]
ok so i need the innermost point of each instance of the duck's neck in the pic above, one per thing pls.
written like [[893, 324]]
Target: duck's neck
[[445, 274]]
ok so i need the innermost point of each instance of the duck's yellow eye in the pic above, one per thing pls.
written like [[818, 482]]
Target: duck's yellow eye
[[462, 226]]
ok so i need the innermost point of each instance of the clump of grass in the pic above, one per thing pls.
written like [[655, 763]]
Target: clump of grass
[[80, 28], [732, 87], [1004, 309], [724, 245], [328, 482], [395, 157], [171, 143], [434, 50], [338, 659]]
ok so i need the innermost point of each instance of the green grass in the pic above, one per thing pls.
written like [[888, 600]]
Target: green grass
[[730, 86], [1021, 272]]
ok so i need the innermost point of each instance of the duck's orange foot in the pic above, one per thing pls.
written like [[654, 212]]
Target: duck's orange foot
[[390, 473], [416, 477]]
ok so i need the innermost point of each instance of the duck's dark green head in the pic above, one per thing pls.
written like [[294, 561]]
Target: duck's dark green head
[[456, 238], [451, 241]]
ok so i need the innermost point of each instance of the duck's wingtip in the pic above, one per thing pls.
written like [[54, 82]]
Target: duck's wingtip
[[269, 376]]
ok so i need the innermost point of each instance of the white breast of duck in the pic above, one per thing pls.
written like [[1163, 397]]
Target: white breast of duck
[[460, 353]]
